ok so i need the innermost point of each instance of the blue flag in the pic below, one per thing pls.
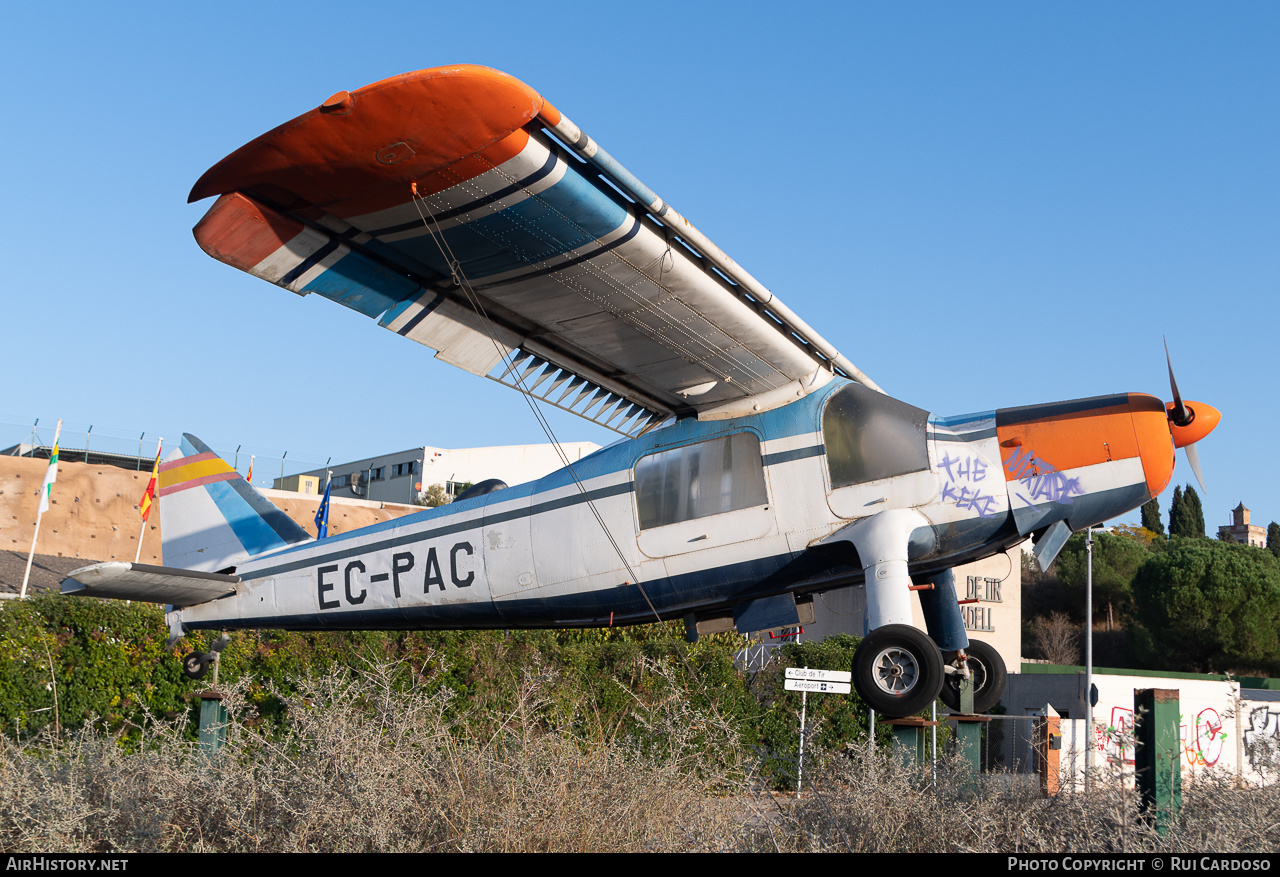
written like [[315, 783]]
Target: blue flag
[[322, 513]]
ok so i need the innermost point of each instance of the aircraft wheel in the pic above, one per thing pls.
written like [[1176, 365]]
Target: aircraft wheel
[[989, 678], [196, 665], [897, 670]]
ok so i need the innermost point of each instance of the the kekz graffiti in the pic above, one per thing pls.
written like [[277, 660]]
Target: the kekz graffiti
[[971, 495], [461, 210]]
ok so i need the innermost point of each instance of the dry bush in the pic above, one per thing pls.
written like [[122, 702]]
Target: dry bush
[[367, 767], [870, 802], [1057, 639]]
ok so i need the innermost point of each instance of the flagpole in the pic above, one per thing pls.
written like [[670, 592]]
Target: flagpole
[[138, 555], [22, 595]]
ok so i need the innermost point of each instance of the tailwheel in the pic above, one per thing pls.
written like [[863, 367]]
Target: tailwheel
[[196, 665], [897, 670], [989, 678]]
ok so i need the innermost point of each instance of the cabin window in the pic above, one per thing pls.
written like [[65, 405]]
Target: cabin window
[[694, 481], [871, 436]]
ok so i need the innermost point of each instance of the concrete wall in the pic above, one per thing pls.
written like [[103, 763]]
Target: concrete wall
[[1223, 727], [93, 513]]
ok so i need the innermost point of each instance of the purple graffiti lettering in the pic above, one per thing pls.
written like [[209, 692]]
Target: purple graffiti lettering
[[946, 463], [1053, 486], [1018, 460], [979, 469], [987, 503], [948, 495]]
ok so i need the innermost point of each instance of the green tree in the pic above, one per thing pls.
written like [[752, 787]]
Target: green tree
[[1175, 509], [434, 496], [1207, 606], [1273, 538], [1195, 511], [1186, 516], [1116, 559], [1151, 516]]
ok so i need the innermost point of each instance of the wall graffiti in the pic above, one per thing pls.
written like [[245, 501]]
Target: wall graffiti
[[1262, 739], [965, 484], [1202, 739], [1116, 740], [1202, 746]]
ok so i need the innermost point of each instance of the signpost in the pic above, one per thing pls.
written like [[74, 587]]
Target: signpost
[[804, 680]]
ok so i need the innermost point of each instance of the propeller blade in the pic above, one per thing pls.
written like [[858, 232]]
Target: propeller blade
[[1179, 415], [1193, 457]]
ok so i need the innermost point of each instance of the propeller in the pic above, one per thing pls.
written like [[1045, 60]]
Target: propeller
[[1184, 425]]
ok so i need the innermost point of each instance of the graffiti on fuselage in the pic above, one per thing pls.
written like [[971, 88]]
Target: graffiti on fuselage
[[351, 583], [965, 485], [1040, 481]]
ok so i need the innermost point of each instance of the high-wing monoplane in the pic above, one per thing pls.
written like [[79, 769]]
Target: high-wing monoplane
[[758, 466]]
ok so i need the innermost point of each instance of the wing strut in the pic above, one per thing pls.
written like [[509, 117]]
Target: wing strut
[[519, 373]]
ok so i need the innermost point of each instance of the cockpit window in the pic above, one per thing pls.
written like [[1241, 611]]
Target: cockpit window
[[870, 436], [694, 481]]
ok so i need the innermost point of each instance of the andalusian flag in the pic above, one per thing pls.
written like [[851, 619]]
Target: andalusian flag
[[50, 476], [149, 498]]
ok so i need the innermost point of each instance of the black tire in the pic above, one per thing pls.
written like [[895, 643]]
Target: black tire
[[196, 665], [897, 670], [989, 679]]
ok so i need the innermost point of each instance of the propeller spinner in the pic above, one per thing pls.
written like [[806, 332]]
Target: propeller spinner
[[1189, 422]]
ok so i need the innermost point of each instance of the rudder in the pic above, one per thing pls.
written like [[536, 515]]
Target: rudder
[[211, 519]]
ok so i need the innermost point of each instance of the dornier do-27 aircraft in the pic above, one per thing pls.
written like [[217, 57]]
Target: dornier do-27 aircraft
[[460, 209]]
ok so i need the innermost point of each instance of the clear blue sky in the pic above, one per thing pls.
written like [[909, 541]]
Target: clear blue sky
[[981, 205]]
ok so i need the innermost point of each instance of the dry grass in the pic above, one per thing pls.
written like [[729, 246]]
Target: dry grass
[[366, 766], [868, 802]]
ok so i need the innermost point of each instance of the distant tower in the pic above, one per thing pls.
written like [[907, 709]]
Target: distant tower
[[1242, 531]]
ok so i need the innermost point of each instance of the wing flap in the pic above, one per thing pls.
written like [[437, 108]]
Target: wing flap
[[118, 580]]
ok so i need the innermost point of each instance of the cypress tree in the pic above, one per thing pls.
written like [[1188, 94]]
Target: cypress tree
[[1273, 538], [1176, 513], [1195, 512], [1186, 517], [1151, 517]]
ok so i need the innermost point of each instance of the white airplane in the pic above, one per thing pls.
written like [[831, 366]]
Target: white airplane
[[759, 466]]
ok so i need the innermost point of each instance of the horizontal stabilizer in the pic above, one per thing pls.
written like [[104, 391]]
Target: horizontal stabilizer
[[118, 580]]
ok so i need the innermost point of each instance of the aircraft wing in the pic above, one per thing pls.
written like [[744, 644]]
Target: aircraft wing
[[460, 209]]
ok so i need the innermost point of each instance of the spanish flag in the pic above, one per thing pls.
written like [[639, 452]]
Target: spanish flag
[[149, 498]]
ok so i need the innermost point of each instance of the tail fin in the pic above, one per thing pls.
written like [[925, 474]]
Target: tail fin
[[211, 519]]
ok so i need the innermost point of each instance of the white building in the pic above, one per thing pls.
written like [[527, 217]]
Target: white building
[[404, 475]]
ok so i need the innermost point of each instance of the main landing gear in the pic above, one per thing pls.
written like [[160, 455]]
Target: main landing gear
[[898, 671], [989, 678]]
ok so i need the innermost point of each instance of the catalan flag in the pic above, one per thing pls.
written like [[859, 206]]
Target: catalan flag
[[50, 476], [149, 498]]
